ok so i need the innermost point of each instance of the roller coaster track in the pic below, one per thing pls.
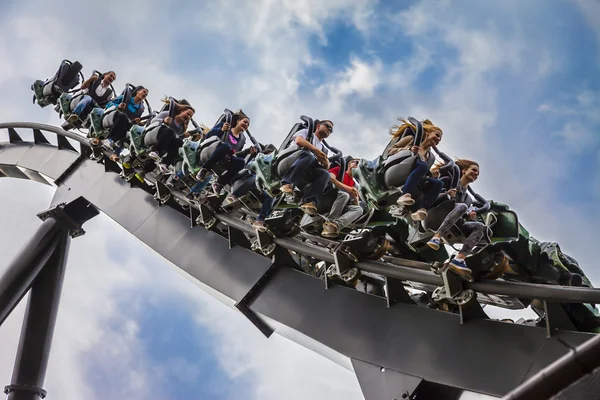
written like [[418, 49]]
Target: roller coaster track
[[394, 345]]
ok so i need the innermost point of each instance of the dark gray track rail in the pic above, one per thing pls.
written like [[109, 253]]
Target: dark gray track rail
[[413, 342]]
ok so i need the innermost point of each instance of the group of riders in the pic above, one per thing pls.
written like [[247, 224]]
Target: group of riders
[[413, 195], [311, 173]]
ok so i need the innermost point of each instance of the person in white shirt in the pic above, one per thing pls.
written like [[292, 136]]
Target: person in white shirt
[[97, 92], [311, 167]]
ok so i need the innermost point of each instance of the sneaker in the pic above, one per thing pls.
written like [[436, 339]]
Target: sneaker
[[287, 188], [405, 200], [259, 225], [330, 230], [434, 243], [201, 175], [154, 155], [72, 118], [459, 266], [309, 208], [217, 188], [163, 168], [108, 143], [230, 199], [419, 215], [140, 177]]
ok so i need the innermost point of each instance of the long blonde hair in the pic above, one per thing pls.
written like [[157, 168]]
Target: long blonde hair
[[428, 127]]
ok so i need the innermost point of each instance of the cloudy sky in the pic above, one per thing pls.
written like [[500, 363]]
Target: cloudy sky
[[513, 84]]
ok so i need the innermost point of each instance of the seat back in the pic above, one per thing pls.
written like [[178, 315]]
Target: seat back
[[397, 168], [208, 147], [68, 75], [287, 154]]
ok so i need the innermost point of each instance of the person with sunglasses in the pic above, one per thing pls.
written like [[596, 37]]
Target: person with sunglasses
[[310, 167]]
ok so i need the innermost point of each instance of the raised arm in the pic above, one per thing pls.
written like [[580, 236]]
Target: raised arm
[[402, 143]]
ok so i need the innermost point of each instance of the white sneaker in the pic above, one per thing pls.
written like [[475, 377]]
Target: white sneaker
[[163, 168], [419, 215], [405, 200], [154, 155]]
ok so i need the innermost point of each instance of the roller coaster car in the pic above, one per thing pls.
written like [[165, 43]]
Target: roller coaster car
[[66, 78], [67, 103]]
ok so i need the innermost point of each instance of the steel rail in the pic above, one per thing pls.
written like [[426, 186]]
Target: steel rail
[[406, 270]]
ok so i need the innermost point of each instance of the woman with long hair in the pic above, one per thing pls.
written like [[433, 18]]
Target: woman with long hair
[[462, 209], [419, 178]]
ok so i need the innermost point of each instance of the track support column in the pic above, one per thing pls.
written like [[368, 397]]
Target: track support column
[[38, 326], [41, 267]]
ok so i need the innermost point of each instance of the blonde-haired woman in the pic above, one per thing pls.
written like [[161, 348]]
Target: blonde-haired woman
[[463, 208], [420, 177]]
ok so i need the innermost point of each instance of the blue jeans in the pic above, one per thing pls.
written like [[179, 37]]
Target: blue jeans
[[268, 201], [234, 166], [431, 187], [85, 101], [198, 186], [307, 169]]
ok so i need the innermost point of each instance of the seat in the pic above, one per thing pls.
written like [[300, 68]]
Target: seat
[[67, 77]]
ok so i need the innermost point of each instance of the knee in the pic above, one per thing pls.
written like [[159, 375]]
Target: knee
[[436, 184], [343, 195]]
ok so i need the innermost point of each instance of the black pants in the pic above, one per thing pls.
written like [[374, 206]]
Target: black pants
[[167, 142], [120, 127], [223, 154]]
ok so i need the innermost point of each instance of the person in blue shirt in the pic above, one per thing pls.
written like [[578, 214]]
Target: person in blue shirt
[[126, 114]]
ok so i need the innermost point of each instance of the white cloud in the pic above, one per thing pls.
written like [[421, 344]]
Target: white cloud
[[255, 55]]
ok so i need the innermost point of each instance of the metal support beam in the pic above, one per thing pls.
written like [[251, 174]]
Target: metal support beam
[[561, 373], [38, 327], [26, 266]]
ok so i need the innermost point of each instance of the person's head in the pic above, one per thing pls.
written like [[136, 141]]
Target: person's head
[[109, 78], [432, 135], [323, 128], [240, 121], [185, 113], [140, 94], [351, 163], [469, 170]]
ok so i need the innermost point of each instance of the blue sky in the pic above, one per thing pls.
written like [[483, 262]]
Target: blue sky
[[514, 85]]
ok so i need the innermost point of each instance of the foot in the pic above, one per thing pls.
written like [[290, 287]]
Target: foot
[[72, 118], [435, 243], [201, 175], [217, 188], [154, 155], [287, 188], [419, 215], [459, 266], [330, 230], [405, 200], [163, 168], [260, 226], [230, 199], [309, 208], [108, 143]]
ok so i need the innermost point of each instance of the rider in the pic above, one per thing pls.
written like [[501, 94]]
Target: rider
[[229, 152], [95, 91], [169, 135], [268, 202], [430, 186], [126, 114], [463, 207], [347, 200], [311, 166]]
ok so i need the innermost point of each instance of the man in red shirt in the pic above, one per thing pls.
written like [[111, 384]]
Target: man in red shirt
[[346, 208]]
